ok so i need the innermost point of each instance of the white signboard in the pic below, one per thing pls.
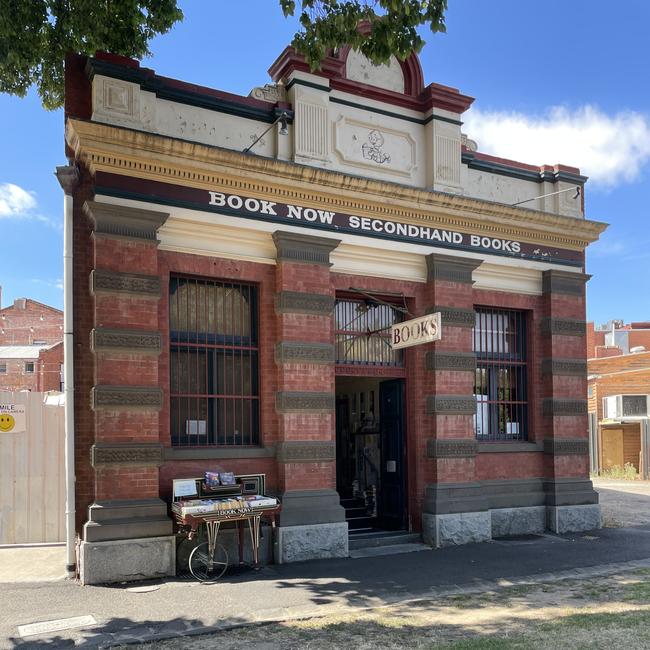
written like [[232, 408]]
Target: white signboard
[[12, 418], [413, 332], [184, 487]]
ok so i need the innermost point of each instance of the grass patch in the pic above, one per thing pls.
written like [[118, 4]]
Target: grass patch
[[626, 473], [638, 591]]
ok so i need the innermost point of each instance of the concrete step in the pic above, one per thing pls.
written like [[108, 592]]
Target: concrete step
[[375, 538], [351, 513], [392, 549], [354, 523]]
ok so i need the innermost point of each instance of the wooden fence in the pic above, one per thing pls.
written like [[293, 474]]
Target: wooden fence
[[32, 474]]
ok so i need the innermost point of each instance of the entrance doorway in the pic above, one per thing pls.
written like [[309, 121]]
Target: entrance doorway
[[370, 452]]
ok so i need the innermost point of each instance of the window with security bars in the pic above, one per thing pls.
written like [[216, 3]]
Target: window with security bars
[[214, 396], [363, 332], [500, 385]]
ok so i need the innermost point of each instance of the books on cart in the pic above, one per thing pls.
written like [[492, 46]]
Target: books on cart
[[225, 505]]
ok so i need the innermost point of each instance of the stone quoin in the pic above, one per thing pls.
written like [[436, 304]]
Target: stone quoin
[[243, 312]]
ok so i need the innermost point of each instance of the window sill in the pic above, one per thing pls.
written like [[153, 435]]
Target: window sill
[[200, 453], [509, 447]]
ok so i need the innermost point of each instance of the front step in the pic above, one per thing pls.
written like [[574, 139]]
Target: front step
[[371, 539]]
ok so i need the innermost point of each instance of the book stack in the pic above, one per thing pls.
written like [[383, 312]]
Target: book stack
[[260, 501]]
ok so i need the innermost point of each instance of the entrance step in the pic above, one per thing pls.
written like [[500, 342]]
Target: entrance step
[[374, 538], [362, 522]]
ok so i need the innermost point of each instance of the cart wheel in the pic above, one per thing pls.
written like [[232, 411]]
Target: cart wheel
[[205, 570]]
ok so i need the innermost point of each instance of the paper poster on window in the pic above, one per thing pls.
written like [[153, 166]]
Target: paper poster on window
[[481, 417], [195, 427], [12, 418]]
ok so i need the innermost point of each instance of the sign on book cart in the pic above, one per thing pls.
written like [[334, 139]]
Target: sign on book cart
[[12, 418], [413, 332]]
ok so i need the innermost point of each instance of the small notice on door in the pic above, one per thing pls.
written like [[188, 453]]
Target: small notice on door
[[12, 418]]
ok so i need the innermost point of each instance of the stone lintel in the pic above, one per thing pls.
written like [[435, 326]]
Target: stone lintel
[[564, 326], [454, 316], [452, 448], [306, 451], [112, 282], [131, 341], [564, 282], [304, 352], [307, 249], [450, 268], [304, 402], [570, 367], [123, 221], [122, 398], [120, 454], [557, 406], [439, 360], [451, 404], [566, 446], [297, 302]]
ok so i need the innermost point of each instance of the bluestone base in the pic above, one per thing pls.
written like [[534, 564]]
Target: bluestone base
[[574, 519], [518, 521], [127, 560], [456, 529], [311, 542]]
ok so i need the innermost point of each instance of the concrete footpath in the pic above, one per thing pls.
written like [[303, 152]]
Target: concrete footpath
[[105, 616]]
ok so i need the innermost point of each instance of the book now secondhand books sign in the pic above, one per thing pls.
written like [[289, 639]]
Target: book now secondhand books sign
[[317, 218]]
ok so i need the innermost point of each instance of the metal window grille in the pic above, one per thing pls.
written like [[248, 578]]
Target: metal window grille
[[363, 333], [500, 386], [214, 382]]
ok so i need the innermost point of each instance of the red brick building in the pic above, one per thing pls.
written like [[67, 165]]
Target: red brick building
[[237, 264], [618, 391], [31, 346]]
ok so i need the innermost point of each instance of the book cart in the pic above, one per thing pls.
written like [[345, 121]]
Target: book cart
[[201, 518]]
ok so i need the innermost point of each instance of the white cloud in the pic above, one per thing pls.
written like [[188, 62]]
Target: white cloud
[[55, 283], [610, 149], [15, 201]]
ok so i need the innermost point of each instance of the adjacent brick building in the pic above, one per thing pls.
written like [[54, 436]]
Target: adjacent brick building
[[619, 392], [31, 346], [233, 288]]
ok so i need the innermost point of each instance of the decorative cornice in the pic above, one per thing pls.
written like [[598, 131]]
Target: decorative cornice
[[308, 249], [147, 286], [564, 326], [564, 283], [122, 398], [450, 269], [454, 316], [306, 451], [572, 367], [566, 446], [451, 405], [132, 341], [150, 156], [68, 177], [303, 402], [451, 448], [296, 302], [557, 406], [299, 352], [463, 361], [111, 219], [105, 454]]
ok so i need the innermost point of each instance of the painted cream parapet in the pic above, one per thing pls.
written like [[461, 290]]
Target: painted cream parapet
[[134, 153], [337, 131]]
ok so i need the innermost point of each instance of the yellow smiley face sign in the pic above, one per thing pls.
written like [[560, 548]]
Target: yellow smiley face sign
[[7, 422], [12, 418]]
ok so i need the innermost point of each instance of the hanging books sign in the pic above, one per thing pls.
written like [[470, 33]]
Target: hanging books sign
[[413, 332]]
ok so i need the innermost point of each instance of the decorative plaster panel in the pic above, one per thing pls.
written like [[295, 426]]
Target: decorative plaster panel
[[463, 361], [116, 101], [554, 406], [137, 341], [564, 326], [126, 398], [452, 448], [102, 455], [389, 76], [299, 401], [574, 367], [451, 405], [299, 352], [362, 144], [306, 451], [566, 446], [296, 302], [112, 282]]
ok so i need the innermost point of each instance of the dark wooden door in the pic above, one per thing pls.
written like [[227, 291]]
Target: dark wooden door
[[392, 501]]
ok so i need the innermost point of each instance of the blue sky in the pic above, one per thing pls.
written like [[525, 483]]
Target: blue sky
[[569, 78]]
